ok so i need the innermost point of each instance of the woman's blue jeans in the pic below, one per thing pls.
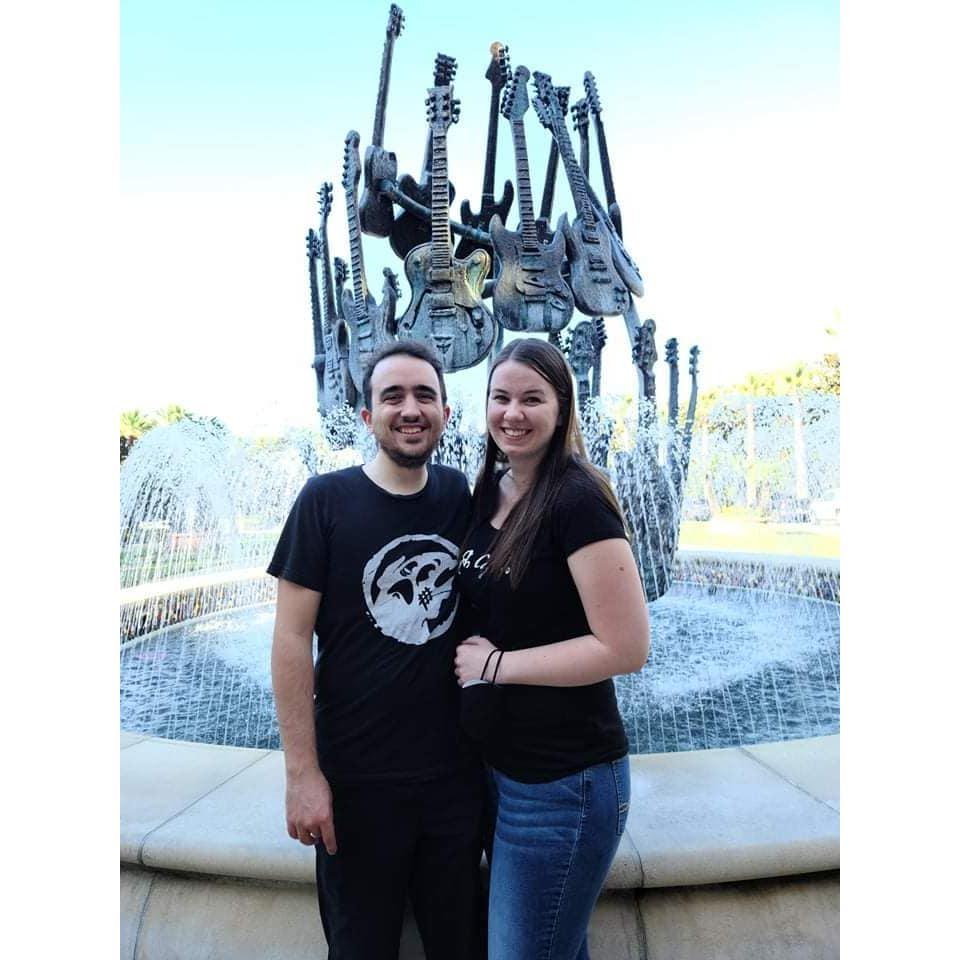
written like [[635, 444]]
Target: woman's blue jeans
[[552, 848]]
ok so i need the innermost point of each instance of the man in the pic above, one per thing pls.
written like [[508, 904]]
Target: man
[[378, 776]]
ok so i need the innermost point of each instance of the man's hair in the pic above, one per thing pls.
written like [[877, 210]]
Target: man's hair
[[405, 348]]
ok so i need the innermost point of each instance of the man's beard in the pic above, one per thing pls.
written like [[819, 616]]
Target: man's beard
[[407, 460]]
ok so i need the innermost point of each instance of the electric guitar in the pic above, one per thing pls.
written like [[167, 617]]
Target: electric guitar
[[408, 229], [376, 209], [370, 324], [319, 354], [340, 273], [530, 293], [596, 285], [446, 307], [337, 387], [498, 73], [581, 123], [593, 99], [549, 184]]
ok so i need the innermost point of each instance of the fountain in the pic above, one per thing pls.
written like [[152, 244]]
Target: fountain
[[746, 650], [739, 700]]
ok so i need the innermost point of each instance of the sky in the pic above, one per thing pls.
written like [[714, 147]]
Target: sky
[[721, 119]]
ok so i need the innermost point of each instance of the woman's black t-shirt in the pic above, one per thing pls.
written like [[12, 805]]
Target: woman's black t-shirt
[[542, 733]]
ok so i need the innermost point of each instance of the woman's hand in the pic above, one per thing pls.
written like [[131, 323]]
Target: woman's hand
[[471, 657]]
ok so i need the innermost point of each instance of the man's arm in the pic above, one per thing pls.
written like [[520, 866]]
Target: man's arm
[[309, 800]]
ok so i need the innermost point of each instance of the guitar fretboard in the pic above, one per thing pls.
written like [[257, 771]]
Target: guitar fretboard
[[379, 118], [356, 254], [489, 164], [528, 225], [327, 307], [574, 174], [315, 307], [440, 197]]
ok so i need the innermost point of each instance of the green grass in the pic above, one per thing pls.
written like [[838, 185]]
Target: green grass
[[753, 536]]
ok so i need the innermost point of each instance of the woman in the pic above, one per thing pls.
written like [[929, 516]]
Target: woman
[[557, 606]]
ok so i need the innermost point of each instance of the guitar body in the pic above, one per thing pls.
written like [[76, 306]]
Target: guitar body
[[617, 218], [481, 220], [530, 293], [595, 282], [622, 261], [447, 310], [409, 230], [376, 209], [338, 386], [368, 325]]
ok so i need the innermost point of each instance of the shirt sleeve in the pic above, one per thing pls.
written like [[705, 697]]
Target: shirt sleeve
[[583, 515], [301, 554]]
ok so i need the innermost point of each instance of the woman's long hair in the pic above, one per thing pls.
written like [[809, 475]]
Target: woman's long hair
[[513, 544]]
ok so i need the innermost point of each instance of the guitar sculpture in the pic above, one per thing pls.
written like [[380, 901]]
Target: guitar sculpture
[[319, 348], [409, 230], [596, 285], [340, 273], [549, 184], [370, 325], [334, 386], [593, 99], [530, 294], [445, 308], [581, 123], [376, 209], [498, 73]]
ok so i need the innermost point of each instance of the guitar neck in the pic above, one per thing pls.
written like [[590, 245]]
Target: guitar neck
[[528, 225], [327, 303], [585, 152], [574, 174], [546, 204], [604, 161], [440, 198], [315, 308], [379, 118], [356, 250], [490, 162]]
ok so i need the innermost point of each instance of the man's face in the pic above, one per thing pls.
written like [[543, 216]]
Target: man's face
[[408, 414]]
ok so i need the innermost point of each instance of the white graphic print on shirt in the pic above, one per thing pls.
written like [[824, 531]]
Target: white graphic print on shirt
[[408, 587]]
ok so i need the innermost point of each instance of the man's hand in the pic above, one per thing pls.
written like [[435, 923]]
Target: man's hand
[[310, 810], [471, 657]]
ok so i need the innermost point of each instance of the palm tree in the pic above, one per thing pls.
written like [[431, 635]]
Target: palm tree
[[795, 381], [173, 413], [756, 385], [133, 425]]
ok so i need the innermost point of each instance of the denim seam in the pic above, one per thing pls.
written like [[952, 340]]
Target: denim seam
[[622, 805], [573, 850]]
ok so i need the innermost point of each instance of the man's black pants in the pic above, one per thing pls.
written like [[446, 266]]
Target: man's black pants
[[419, 839]]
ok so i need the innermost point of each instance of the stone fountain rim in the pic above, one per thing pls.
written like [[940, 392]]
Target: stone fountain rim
[[697, 817]]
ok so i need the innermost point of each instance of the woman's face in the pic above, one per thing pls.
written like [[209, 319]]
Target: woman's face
[[523, 411]]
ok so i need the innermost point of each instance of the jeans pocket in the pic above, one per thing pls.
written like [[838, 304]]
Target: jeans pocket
[[621, 779]]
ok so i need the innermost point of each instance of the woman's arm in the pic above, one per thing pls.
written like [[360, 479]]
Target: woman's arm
[[607, 579]]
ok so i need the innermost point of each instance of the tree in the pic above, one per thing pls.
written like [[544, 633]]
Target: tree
[[173, 413], [795, 381], [133, 425]]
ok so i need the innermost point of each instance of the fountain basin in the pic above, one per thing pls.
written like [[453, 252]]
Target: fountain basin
[[728, 852], [711, 834]]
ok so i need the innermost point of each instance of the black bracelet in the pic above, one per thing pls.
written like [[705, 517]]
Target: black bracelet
[[487, 662], [496, 669]]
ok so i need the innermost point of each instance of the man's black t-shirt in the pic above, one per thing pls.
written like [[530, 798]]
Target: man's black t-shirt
[[542, 733], [386, 697]]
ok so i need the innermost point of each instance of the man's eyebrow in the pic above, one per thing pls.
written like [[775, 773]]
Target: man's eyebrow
[[419, 388]]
